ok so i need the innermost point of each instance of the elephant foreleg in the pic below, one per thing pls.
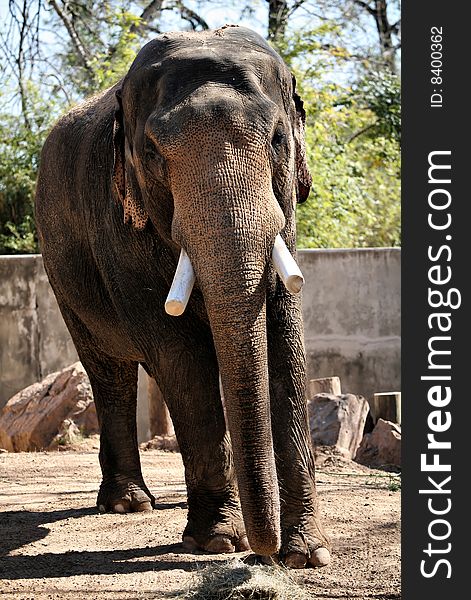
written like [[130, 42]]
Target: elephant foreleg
[[303, 540], [114, 386], [115, 389], [187, 374]]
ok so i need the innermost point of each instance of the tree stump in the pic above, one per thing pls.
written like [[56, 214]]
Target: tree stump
[[159, 418], [324, 385], [387, 406]]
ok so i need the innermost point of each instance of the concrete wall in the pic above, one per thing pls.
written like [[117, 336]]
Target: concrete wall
[[352, 317], [33, 338], [351, 305]]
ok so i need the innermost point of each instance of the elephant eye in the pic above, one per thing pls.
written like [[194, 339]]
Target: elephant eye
[[150, 150], [279, 137]]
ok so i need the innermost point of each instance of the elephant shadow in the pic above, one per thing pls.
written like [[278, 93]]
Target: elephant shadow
[[20, 528]]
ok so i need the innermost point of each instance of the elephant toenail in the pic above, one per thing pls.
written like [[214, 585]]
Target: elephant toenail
[[189, 543], [220, 545], [320, 557], [119, 508], [295, 560], [102, 508], [243, 544], [144, 507]]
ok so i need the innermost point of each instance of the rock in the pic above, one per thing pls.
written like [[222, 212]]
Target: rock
[[337, 420], [159, 417], [34, 416], [331, 456], [161, 442], [68, 435], [324, 385], [381, 447]]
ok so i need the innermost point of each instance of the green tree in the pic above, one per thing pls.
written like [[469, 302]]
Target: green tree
[[20, 146], [353, 146], [23, 134]]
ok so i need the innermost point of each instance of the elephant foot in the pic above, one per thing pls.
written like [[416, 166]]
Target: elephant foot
[[222, 534], [320, 557], [124, 497], [303, 548]]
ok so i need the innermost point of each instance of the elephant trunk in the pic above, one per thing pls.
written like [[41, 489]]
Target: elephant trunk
[[234, 289]]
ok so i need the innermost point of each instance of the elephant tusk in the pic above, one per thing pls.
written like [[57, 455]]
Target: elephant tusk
[[184, 278], [286, 266], [182, 285]]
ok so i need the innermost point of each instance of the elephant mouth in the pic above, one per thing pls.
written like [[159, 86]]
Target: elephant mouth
[[184, 278]]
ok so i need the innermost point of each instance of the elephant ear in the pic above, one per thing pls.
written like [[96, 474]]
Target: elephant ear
[[125, 187], [304, 178]]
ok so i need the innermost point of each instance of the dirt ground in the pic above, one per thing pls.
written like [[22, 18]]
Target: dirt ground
[[54, 544]]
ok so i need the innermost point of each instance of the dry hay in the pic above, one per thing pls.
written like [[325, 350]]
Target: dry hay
[[235, 580]]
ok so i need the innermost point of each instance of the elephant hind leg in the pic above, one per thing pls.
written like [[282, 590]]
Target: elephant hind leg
[[114, 386]]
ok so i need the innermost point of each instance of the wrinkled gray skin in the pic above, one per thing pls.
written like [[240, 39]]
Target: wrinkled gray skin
[[200, 146]]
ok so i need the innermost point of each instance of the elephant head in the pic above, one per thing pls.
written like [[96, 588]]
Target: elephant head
[[209, 146]]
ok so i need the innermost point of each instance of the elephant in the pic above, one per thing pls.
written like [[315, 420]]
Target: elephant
[[199, 150]]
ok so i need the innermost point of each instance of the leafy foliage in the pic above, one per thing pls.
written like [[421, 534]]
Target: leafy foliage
[[20, 146], [22, 136], [355, 200], [353, 148], [381, 94]]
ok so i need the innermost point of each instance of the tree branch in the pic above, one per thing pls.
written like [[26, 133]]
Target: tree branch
[[19, 55], [295, 7], [366, 6], [360, 132], [150, 12], [20, 64], [84, 57], [396, 27], [189, 15]]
